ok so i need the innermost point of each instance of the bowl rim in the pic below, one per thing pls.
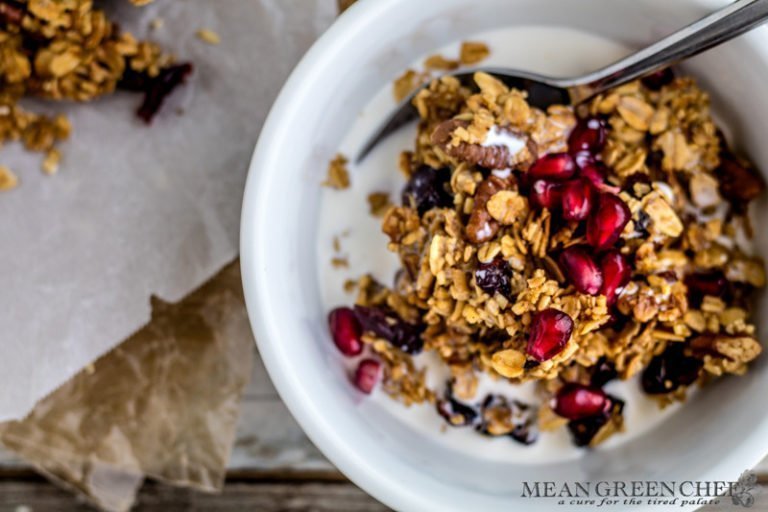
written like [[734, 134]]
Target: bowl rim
[[380, 483]]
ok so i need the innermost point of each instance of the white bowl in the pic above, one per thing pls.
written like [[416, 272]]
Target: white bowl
[[717, 435]]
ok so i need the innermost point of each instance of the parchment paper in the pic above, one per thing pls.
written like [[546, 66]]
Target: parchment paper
[[137, 210], [163, 404]]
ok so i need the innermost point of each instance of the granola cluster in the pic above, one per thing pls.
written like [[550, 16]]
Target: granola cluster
[[568, 247], [69, 50]]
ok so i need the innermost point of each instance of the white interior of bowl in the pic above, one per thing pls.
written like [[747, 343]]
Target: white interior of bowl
[[720, 433]]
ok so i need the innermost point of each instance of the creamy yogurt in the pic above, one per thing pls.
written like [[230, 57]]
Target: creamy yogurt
[[344, 217]]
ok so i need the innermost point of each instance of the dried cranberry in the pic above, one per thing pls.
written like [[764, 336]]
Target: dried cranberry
[[607, 221], [367, 375], [494, 277], [588, 135], [670, 370], [387, 325], [428, 188], [555, 167], [705, 283], [584, 430], [455, 413], [578, 198], [155, 89], [346, 330], [655, 81], [502, 417], [576, 401], [550, 331], [616, 274], [581, 270], [602, 373], [545, 194]]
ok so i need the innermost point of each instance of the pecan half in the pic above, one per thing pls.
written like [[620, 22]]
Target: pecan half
[[482, 226], [490, 157]]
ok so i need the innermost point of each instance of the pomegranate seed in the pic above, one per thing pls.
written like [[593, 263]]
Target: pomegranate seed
[[545, 194], [550, 331], [346, 331], [581, 270], [576, 402], [616, 274], [583, 431], [578, 198], [584, 159], [607, 221], [555, 167], [367, 375], [659, 79], [596, 172], [700, 284], [588, 135]]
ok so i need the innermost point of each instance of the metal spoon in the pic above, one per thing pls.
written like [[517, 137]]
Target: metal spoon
[[708, 32]]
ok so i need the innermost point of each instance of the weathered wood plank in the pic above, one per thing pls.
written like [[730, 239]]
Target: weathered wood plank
[[39, 496]]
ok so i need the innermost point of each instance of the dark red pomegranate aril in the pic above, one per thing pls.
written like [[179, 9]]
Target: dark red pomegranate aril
[[588, 135], [596, 172], [659, 79], [367, 375], [583, 431], [550, 331], [581, 270], [576, 402], [545, 194], [578, 199], [584, 159], [346, 331], [616, 274], [555, 167], [607, 221]]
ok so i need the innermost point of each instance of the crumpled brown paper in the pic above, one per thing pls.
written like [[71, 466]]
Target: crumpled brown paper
[[162, 404]]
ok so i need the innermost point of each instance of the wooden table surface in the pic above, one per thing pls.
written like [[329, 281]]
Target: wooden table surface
[[273, 467]]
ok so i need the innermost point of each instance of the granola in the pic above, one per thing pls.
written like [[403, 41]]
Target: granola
[[566, 247], [70, 50]]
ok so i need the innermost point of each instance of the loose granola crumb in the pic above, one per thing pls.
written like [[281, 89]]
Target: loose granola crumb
[[338, 175], [438, 62], [208, 36], [473, 52], [408, 82], [378, 203], [340, 262], [8, 179], [51, 161]]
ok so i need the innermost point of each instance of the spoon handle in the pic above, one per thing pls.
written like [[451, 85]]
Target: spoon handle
[[717, 28]]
